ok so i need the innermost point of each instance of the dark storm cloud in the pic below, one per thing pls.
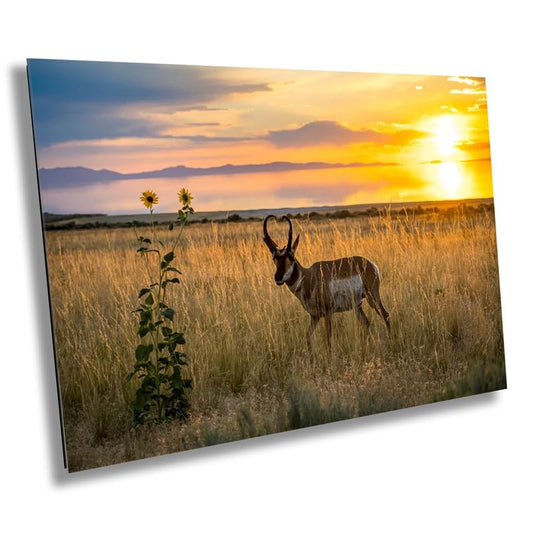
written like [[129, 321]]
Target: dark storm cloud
[[77, 100]]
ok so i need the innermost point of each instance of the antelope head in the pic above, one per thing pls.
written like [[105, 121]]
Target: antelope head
[[283, 257]]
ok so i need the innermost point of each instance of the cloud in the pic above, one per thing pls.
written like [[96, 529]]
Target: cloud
[[470, 146], [449, 108], [467, 91], [476, 160], [403, 137], [77, 100], [467, 81], [208, 138], [432, 162], [332, 133], [320, 132], [482, 106], [440, 161], [312, 134], [121, 83], [474, 86], [201, 108]]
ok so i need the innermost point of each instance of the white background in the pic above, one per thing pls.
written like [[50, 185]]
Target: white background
[[457, 466]]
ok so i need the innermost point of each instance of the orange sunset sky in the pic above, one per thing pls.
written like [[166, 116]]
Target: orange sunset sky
[[374, 137]]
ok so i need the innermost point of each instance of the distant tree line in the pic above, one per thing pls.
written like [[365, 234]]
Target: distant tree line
[[418, 210], [52, 217]]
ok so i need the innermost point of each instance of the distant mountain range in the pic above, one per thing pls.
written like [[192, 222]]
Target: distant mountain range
[[59, 177]]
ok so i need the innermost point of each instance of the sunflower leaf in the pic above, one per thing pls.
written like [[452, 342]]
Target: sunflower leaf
[[168, 313], [168, 257]]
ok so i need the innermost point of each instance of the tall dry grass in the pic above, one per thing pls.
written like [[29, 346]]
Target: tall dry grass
[[246, 336]]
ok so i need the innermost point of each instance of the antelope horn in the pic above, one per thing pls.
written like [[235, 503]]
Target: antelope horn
[[289, 242], [272, 246]]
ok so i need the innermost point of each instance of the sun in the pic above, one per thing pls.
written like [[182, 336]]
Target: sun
[[450, 178], [446, 135]]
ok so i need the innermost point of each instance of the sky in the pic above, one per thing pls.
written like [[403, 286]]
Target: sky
[[373, 137]]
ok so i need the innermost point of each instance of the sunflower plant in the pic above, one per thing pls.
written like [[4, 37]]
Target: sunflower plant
[[159, 360]]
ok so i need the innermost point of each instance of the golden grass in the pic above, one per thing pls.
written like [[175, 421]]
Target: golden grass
[[246, 336]]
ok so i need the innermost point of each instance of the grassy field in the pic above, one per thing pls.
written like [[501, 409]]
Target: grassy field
[[246, 336]]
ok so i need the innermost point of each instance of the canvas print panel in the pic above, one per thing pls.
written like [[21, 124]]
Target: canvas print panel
[[236, 252]]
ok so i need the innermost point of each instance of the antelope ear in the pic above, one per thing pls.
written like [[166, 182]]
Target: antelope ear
[[295, 244]]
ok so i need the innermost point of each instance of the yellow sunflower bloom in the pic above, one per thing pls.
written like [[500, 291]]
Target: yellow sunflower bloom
[[185, 197], [149, 198]]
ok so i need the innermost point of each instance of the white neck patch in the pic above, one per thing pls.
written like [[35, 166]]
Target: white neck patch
[[288, 274]]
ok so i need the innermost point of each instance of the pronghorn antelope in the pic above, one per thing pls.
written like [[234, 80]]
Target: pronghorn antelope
[[327, 287]]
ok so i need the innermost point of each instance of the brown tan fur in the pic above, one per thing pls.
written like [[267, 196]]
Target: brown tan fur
[[327, 287]]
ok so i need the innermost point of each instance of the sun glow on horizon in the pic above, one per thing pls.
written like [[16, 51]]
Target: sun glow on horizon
[[450, 178], [447, 135]]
